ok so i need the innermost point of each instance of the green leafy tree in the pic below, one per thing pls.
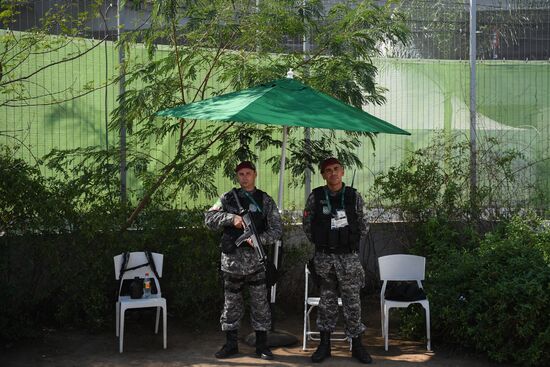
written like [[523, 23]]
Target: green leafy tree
[[237, 44], [433, 182], [18, 80], [28, 57]]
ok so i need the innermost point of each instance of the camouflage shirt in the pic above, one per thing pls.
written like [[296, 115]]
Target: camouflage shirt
[[243, 261], [309, 213]]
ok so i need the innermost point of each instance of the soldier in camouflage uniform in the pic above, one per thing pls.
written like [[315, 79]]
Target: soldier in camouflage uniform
[[240, 265], [334, 222]]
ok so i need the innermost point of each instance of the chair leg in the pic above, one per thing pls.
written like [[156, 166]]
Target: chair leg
[[427, 308], [304, 341], [382, 315], [117, 317], [308, 334], [157, 321], [164, 325], [121, 338], [386, 326]]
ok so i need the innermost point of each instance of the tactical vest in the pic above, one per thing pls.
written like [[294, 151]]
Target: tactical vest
[[230, 233], [339, 240]]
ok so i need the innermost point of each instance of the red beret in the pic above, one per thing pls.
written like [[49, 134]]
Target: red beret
[[245, 164], [328, 162]]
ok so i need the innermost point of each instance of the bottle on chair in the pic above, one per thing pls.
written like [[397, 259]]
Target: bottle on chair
[[146, 286]]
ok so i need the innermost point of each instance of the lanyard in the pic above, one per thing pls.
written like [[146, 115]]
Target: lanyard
[[341, 197], [251, 198]]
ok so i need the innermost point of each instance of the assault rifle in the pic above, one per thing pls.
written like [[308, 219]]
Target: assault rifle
[[250, 232]]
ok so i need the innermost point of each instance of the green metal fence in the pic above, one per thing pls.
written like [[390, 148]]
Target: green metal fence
[[425, 96]]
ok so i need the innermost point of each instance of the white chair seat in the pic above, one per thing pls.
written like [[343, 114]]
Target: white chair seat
[[314, 301], [154, 300], [151, 299], [401, 268]]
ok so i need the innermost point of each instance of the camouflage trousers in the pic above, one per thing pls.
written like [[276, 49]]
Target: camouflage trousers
[[340, 275], [233, 308]]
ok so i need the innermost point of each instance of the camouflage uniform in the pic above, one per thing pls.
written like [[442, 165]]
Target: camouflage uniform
[[242, 266], [342, 272]]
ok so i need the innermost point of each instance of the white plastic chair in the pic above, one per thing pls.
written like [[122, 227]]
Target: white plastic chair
[[309, 304], [401, 268], [154, 300]]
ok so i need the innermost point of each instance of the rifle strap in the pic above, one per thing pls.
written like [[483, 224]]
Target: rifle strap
[[151, 262], [125, 258], [236, 196]]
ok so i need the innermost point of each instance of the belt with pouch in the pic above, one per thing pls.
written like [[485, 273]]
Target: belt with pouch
[[337, 251]]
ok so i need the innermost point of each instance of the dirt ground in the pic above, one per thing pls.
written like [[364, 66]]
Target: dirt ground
[[197, 347]]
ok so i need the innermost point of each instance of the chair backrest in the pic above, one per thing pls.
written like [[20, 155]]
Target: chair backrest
[[136, 259], [402, 267]]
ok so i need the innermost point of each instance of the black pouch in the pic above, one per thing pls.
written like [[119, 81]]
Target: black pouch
[[136, 288], [130, 287], [404, 292], [271, 274], [228, 244]]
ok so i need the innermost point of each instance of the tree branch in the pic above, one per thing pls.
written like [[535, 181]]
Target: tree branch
[[53, 64], [165, 172], [7, 104], [180, 72], [22, 143]]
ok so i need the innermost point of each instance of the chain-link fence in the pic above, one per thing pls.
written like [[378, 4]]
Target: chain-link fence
[[427, 81]]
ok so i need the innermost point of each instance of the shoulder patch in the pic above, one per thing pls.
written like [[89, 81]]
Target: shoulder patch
[[217, 206]]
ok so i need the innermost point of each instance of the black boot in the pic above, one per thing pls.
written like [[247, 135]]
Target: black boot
[[358, 351], [262, 350], [231, 346], [323, 350]]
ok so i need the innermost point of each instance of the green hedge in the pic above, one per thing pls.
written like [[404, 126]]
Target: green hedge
[[494, 298], [66, 280], [58, 241]]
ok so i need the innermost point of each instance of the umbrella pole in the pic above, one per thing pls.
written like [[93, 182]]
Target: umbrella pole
[[282, 169], [280, 206]]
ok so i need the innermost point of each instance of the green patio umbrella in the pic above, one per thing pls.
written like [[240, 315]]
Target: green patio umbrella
[[285, 102]]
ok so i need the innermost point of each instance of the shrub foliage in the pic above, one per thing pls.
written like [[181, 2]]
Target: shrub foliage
[[56, 268], [488, 264], [495, 298]]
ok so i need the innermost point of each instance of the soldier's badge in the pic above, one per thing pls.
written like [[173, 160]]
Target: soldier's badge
[[326, 210], [252, 208]]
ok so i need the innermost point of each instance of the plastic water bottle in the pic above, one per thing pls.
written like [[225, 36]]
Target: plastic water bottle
[[146, 286]]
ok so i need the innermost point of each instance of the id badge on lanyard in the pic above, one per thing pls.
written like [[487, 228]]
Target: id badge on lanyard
[[339, 220]]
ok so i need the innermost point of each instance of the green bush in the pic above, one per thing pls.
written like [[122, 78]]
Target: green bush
[[29, 202], [68, 280], [494, 298], [488, 281], [58, 238], [434, 182], [58, 243]]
